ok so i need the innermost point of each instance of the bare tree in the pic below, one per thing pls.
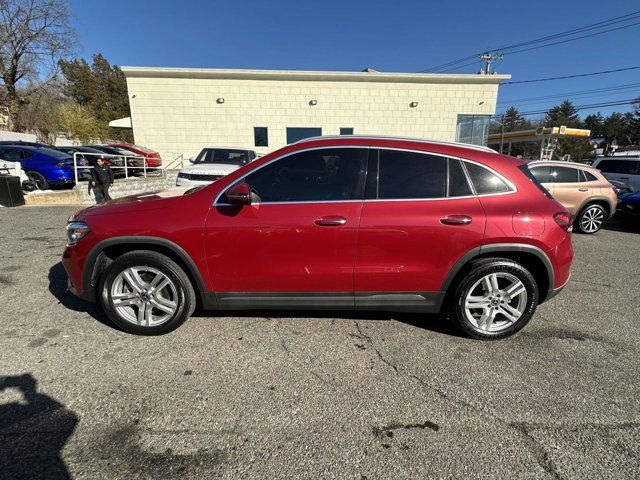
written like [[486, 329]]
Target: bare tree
[[34, 36]]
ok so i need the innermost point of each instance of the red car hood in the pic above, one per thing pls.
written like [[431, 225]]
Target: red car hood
[[133, 203]]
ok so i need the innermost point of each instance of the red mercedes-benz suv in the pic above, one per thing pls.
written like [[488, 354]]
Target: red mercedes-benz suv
[[364, 223]]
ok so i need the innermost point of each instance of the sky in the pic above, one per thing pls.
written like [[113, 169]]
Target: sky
[[389, 36]]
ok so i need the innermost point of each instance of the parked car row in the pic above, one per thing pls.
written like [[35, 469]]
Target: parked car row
[[47, 166]]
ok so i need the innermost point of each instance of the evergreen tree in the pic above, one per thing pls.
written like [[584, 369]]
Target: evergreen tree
[[100, 87], [563, 114], [595, 123]]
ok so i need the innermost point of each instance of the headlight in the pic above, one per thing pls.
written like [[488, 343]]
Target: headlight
[[75, 231]]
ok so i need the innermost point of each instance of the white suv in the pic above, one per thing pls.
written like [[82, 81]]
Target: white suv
[[213, 163], [621, 169]]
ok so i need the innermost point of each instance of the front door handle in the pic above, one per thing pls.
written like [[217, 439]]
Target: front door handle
[[456, 220], [330, 221], [582, 189]]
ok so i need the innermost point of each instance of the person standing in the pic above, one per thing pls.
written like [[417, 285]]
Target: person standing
[[100, 181]]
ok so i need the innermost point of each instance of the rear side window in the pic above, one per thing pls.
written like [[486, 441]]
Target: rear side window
[[484, 181], [630, 167], [458, 183], [564, 175], [542, 174], [408, 175]]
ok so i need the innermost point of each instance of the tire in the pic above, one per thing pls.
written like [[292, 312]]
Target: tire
[[151, 282], [483, 322], [591, 218], [38, 180]]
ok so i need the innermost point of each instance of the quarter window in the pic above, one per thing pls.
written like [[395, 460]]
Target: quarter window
[[484, 181], [331, 174], [260, 136], [404, 175]]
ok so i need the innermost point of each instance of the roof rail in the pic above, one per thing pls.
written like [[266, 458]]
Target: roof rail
[[413, 139]]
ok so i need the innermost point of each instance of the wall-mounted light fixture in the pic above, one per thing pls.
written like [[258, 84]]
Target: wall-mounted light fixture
[[481, 103], [413, 104], [220, 100], [313, 102], [133, 96]]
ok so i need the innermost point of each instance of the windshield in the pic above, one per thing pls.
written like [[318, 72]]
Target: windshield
[[224, 156], [144, 149]]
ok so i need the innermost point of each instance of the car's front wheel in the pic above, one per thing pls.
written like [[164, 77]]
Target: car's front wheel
[[496, 298], [146, 293], [591, 218]]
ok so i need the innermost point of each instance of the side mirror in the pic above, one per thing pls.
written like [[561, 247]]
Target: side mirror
[[192, 159], [239, 194]]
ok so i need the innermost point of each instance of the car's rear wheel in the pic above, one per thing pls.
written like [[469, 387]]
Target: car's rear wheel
[[495, 299], [146, 293], [591, 218], [38, 180]]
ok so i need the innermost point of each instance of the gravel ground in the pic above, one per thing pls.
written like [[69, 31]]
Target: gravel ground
[[336, 396]]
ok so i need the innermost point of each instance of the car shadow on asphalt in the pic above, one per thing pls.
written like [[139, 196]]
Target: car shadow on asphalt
[[618, 225], [433, 322], [33, 431], [58, 288]]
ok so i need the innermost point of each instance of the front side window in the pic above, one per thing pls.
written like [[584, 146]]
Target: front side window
[[473, 129], [331, 174], [542, 174], [564, 175], [295, 134], [260, 136], [410, 175], [484, 181], [630, 167]]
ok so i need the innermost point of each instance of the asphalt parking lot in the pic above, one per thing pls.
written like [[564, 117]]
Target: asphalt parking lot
[[278, 395]]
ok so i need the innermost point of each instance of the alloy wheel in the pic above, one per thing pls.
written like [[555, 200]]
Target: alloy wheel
[[592, 219], [144, 296], [495, 302]]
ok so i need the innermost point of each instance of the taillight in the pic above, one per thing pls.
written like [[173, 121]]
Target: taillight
[[616, 190], [564, 220]]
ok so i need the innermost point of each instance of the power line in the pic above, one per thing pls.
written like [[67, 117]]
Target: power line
[[580, 107], [576, 98], [594, 26], [547, 79], [624, 86]]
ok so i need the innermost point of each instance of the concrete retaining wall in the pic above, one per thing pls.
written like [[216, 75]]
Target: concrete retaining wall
[[78, 195]]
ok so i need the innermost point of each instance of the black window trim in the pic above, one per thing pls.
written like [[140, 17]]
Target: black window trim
[[510, 185]]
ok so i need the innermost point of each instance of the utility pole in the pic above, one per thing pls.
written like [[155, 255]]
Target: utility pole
[[489, 58]]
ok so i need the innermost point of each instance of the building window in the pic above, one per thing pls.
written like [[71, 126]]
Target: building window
[[346, 131], [260, 136], [473, 129], [295, 134]]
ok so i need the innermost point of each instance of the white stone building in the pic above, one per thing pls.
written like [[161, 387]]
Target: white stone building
[[180, 110]]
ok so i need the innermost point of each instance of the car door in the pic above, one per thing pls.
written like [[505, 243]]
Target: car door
[[568, 189], [295, 244], [419, 218]]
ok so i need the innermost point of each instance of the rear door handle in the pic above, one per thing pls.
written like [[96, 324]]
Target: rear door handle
[[583, 189], [330, 221], [456, 220]]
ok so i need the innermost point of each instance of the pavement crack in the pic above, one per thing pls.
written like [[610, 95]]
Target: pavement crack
[[387, 431], [540, 454]]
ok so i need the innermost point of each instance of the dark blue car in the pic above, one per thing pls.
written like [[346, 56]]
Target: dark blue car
[[44, 166], [629, 206]]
